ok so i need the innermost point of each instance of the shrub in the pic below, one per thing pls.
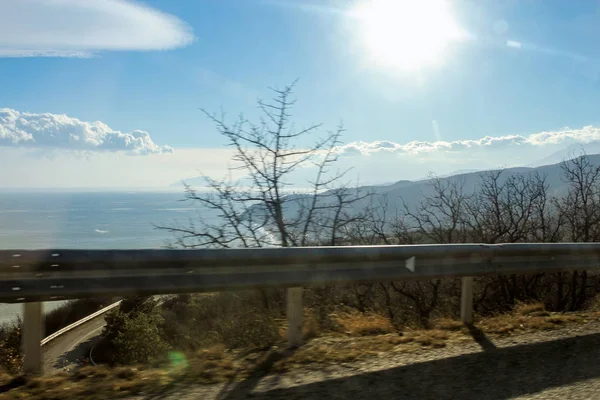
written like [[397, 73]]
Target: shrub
[[11, 357], [138, 339], [132, 332], [234, 319], [248, 328]]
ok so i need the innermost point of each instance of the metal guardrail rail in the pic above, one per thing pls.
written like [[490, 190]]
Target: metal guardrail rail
[[59, 274], [33, 276]]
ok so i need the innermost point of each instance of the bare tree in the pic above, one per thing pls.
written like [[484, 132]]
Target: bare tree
[[440, 217], [258, 209], [506, 209], [579, 209], [424, 296], [509, 208], [387, 226]]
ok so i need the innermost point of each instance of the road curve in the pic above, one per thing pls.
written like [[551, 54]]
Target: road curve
[[66, 351]]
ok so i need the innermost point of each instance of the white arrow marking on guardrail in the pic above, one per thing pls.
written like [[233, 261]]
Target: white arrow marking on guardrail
[[410, 264]]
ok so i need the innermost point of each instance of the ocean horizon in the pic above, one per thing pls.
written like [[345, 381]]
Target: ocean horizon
[[89, 220]]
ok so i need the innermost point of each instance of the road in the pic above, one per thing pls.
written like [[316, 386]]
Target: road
[[66, 351]]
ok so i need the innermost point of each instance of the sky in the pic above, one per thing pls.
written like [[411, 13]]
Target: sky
[[108, 93]]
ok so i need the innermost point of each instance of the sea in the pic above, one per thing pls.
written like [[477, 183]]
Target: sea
[[90, 220]]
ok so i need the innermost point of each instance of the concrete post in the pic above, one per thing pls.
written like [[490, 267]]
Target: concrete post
[[33, 330], [294, 316], [466, 300]]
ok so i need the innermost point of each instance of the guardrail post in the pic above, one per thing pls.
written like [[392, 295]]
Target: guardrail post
[[32, 335], [294, 316], [466, 300]]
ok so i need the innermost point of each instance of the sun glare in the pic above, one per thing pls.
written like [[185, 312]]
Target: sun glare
[[406, 34]]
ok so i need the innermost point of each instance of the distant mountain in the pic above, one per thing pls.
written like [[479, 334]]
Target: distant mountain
[[462, 172], [457, 172], [573, 150], [412, 192], [196, 181], [199, 181]]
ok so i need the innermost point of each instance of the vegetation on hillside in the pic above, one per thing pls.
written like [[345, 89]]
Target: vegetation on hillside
[[253, 213]]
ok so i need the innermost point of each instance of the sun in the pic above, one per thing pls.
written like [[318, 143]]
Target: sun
[[406, 34]]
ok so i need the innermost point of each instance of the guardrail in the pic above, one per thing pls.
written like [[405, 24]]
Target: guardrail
[[33, 276], [75, 324]]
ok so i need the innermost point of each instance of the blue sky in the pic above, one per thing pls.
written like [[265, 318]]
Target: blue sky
[[504, 69]]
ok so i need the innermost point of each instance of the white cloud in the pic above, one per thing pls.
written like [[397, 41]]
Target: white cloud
[[384, 161], [565, 136], [513, 44], [76, 28], [59, 131], [372, 162]]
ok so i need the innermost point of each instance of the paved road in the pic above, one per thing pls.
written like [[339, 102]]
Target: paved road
[[65, 352]]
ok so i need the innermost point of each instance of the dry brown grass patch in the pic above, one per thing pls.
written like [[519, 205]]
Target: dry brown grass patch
[[530, 318], [529, 308], [340, 350], [430, 338], [310, 328], [561, 319], [363, 324], [448, 324], [89, 383], [211, 366], [334, 352], [92, 372], [351, 323]]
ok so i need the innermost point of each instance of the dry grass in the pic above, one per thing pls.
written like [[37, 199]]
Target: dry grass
[[447, 324], [90, 383], [325, 352], [529, 308], [210, 366], [218, 364], [363, 324], [310, 326], [335, 350], [346, 322], [310, 329], [531, 317]]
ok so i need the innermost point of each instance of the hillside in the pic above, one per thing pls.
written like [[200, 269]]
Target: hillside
[[568, 153], [412, 193]]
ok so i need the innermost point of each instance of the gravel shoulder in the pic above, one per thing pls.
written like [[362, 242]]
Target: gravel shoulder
[[560, 363]]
